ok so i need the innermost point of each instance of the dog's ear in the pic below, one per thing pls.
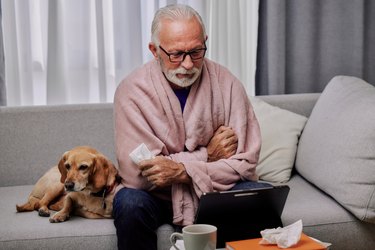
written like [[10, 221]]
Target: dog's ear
[[98, 176], [62, 167], [104, 173], [112, 173]]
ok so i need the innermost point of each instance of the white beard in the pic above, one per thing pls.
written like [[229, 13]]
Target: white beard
[[171, 75]]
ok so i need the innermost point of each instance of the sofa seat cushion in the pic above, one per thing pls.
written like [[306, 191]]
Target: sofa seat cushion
[[311, 205], [29, 231], [336, 150], [323, 218]]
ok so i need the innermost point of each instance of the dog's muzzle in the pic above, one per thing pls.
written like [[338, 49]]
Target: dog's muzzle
[[69, 186]]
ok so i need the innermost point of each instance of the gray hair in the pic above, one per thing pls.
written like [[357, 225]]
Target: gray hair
[[173, 12]]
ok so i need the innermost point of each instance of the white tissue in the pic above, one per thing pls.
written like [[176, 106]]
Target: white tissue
[[141, 153], [283, 237]]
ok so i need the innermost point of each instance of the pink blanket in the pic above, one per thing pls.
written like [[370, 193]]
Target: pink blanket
[[147, 111]]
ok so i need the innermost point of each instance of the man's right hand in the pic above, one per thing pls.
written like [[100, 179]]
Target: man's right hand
[[222, 145]]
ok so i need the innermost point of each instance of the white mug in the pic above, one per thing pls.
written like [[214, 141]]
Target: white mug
[[196, 237]]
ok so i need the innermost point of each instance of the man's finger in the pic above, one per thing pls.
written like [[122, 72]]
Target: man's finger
[[221, 129]]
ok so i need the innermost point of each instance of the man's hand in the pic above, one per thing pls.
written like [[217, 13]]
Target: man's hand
[[162, 172], [222, 145]]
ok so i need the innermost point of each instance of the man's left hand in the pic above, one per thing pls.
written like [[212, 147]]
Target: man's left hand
[[162, 172]]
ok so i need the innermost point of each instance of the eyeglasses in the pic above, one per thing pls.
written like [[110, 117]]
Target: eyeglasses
[[179, 56]]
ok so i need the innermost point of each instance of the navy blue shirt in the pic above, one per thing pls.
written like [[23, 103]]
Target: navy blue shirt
[[182, 95]]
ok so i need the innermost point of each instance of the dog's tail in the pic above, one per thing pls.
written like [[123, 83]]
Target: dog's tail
[[31, 205]]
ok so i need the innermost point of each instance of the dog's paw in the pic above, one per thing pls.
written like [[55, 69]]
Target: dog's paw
[[59, 217], [44, 212]]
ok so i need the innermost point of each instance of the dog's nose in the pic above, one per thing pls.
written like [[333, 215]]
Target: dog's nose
[[69, 186]]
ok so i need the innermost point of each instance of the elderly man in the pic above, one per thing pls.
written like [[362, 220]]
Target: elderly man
[[195, 118]]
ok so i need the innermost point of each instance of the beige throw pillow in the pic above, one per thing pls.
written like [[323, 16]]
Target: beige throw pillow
[[280, 131]]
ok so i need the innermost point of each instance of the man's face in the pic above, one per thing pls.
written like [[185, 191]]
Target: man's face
[[180, 36]]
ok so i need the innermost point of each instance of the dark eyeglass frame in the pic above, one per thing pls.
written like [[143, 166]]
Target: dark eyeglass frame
[[184, 54]]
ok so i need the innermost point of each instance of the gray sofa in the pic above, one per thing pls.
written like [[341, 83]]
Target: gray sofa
[[32, 139]]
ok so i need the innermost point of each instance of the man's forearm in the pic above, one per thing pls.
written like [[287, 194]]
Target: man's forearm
[[199, 154]]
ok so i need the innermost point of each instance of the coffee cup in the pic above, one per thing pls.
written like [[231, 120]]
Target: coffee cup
[[196, 237]]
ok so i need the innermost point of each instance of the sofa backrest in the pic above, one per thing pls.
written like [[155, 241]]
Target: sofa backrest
[[298, 103], [32, 139]]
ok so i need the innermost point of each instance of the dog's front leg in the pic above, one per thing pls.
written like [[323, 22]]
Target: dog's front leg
[[64, 213], [49, 196]]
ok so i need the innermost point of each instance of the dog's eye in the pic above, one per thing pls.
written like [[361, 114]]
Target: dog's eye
[[83, 167], [67, 166]]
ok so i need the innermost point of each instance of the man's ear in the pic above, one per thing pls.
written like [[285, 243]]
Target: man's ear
[[154, 50], [62, 167]]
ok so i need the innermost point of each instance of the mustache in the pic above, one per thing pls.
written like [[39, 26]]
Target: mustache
[[185, 71]]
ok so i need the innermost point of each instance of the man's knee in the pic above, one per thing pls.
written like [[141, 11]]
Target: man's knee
[[128, 201], [134, 208], [250, 185]]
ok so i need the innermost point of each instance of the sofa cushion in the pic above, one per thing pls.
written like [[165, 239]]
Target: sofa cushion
[[324, 219], [280, 131], [336, 151], [30, 231]]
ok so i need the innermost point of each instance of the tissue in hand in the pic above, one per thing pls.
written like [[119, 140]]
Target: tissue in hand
[[141, 153], [283, 237]]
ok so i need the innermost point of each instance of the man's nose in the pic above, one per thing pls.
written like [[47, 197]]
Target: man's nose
[[187, 63]]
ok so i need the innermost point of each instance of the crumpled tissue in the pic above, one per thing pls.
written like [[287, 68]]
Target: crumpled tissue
[[284, 237], [141, 153]]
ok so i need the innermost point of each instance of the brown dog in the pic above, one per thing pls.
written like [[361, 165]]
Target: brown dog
[[83, 183]]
